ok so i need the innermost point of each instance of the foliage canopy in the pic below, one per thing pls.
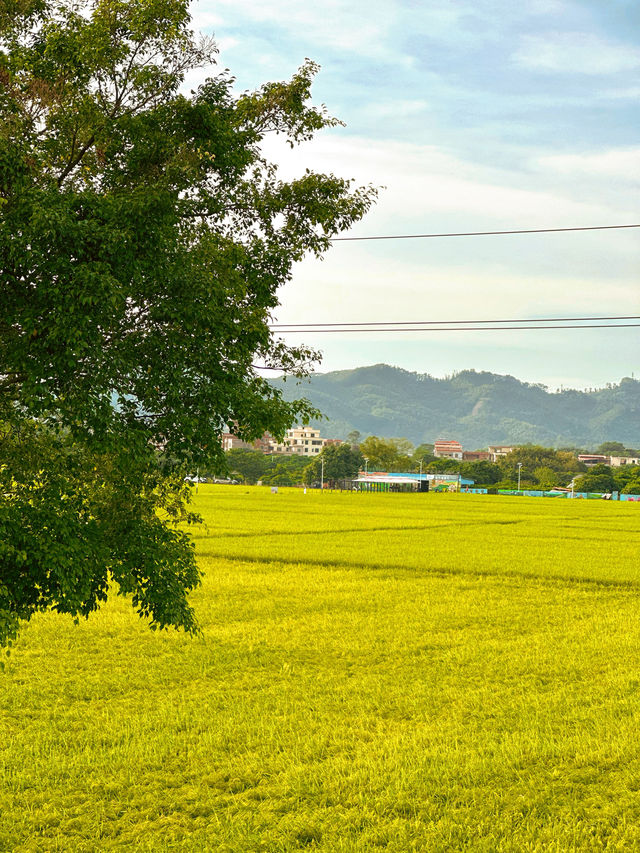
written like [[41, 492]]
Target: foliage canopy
[[143, 237], [252, 466], [387, 454], [336, 462]]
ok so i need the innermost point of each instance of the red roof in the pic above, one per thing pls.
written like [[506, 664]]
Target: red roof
[[449, 444]]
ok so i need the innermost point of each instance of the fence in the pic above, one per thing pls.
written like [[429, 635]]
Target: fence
[[539, 493], [585, 496]]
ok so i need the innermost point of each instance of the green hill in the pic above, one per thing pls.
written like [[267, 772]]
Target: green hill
[[476, 408]]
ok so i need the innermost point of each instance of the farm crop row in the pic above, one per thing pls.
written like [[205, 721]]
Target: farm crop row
[[441, 533]]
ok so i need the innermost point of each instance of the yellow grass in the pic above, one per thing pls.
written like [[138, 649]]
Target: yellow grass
[[407, 673]]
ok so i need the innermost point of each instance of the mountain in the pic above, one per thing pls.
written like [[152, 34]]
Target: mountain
[[476, 408]]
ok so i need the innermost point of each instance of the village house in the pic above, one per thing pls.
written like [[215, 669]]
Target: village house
[[591, 459], [233, 442], [450, 449], [498, 450], [447, 449], [301, 441]]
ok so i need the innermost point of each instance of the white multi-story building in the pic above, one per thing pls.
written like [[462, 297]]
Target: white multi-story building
[[305, 441]]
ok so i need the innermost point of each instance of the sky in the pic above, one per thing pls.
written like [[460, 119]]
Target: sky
[[473, 115]]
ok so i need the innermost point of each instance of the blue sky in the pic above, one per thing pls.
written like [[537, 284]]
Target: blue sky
[[480, 115]]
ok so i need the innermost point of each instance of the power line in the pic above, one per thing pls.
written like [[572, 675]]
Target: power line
[[306, 330], [484, 233], [402, 323]]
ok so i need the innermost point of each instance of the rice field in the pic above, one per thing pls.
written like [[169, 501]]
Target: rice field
[[376, 672]]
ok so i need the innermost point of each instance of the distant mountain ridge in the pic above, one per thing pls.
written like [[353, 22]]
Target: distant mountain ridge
[[476, 408]]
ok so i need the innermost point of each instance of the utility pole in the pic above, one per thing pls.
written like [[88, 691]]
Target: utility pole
[[519, 470], [322, 475]]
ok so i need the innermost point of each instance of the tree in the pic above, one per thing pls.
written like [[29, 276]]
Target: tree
[[547, 478], [616, 448], [598, 479], [423, 453], [284, 470], [481, 472], [143, 237], [444, 465], [341, 462], [387, 454], [612, 448], [627, 478], [353, 438], [534, 456], [249, 464], [279, 476], [403, 446]]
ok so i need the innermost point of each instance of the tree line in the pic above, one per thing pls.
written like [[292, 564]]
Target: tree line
[[538, 467]]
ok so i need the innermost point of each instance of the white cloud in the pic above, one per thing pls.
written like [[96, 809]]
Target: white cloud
[[227, 43], [340, 24], [575, 52], [203, 19], [431, 188], [546, 7], [631, 93], [369, 287], [621, 163], [430, 191], [397, 109]]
